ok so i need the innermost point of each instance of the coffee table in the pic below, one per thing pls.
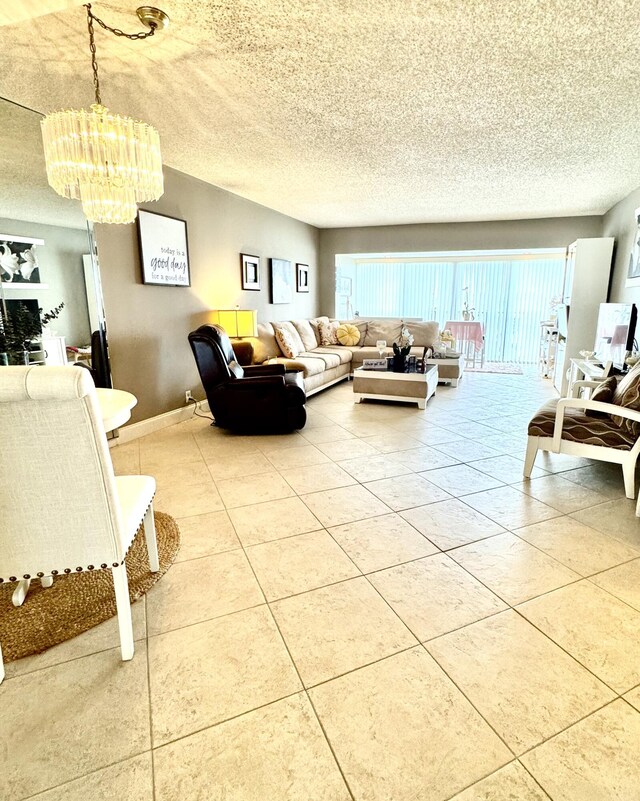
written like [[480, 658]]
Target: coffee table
[[401, 387]]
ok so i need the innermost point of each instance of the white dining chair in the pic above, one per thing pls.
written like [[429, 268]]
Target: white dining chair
[[62, 509]]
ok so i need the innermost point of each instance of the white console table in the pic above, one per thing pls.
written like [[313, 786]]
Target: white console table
[[584, 369]]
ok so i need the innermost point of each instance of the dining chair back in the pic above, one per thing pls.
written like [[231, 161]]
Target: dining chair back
[[63, 510]]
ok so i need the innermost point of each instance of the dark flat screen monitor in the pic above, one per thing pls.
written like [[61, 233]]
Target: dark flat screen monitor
[[615, 332]]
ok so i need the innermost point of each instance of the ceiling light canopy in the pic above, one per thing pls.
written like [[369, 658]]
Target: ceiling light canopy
[[108, 161]]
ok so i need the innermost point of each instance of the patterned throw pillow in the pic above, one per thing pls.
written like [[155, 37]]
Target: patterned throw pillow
[[627, 394], [328, 333], [315, 327], [287, 344], [603, 394], [348, 335]]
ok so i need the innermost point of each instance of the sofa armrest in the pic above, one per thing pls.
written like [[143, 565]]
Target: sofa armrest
[[243, 350], [584, 403], [264, 369]]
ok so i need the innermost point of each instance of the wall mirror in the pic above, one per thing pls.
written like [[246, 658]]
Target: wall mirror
[[48, 257]]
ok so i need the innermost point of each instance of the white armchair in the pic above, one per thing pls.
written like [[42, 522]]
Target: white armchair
[[563, 426], [53, 440]]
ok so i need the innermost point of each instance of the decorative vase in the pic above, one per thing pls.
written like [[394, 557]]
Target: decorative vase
[[465, 316], [399, 364], [4, 359]]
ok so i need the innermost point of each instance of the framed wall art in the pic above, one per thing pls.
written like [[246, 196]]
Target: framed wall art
[[281, 281], [164, 252], [19, 266], [302, 277], [250, 269], [633, 272]]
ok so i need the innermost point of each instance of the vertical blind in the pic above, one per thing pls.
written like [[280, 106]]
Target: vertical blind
[[510, 296]]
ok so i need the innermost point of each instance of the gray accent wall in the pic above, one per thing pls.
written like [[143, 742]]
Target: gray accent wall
[[490, 235], [619, 222], [148, 325]]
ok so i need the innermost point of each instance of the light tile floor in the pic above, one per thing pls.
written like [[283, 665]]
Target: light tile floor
[[375, 608]]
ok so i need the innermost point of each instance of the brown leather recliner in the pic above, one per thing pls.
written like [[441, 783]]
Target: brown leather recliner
[[259, 399]]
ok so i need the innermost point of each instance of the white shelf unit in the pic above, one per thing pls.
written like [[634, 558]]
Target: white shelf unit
[[586, 283]]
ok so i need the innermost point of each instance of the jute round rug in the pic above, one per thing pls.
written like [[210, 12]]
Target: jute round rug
[[78, 602]]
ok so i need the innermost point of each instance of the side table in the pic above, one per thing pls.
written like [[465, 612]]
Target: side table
[[449, 369]]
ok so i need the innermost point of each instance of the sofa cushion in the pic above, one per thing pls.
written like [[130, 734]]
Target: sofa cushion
[[288, 345], [344, 354], [315, 325], [328, 333], [293, 335], [424, 333], [603, 394], [264, 345], [348, 334], [330, 359], [627, 394], [389, 330], [306, 364], [578, 427], [303, 327]]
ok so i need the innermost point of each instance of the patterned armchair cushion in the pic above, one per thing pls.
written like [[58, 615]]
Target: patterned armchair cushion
[[627, 394], [603, 394], [580, 428]]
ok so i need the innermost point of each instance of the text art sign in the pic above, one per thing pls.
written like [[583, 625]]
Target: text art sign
[[163, 249]]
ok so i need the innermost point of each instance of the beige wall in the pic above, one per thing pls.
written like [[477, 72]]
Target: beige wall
[[546, 233], [619, 222], [148, 325]]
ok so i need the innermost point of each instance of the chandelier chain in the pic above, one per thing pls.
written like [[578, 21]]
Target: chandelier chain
[[117, 32]]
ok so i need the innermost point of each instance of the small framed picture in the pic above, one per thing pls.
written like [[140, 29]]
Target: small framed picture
[[164, 253], [250, 267], [302, 277]]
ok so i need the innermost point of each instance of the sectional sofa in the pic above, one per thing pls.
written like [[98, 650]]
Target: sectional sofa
[[323, 366]]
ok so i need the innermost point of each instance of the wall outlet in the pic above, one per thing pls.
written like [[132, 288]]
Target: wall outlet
[[188, 397]]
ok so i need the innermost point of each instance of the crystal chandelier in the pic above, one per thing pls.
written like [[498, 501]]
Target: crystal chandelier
[[108, 161]]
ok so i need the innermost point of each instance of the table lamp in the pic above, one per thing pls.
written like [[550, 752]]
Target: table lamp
[[238, 323]]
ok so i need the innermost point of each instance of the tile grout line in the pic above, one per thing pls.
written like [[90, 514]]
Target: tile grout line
[[302, 684]]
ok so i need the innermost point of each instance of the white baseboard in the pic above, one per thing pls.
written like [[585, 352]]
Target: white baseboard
[[157, 423]]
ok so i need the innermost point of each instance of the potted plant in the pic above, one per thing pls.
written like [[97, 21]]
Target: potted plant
[[401, 350], [20, 327], [468, 311]]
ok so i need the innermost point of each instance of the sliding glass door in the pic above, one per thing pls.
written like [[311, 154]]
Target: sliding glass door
[[510, 295]]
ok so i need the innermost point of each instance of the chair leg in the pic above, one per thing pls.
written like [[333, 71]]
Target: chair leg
[[629, 474], [20, 592], [123, 605], [150, 536], [530, 457]]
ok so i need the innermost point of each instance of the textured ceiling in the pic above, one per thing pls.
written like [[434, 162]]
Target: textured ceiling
[[345, 112], [24, 191]]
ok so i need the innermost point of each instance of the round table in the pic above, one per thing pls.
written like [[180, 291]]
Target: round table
[[115, 407]]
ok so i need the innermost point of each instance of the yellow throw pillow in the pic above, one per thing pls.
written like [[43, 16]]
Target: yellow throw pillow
[[348, 335]]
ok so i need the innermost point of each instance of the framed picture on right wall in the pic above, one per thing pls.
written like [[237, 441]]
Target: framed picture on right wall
[[633, 273], [302, 277]]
